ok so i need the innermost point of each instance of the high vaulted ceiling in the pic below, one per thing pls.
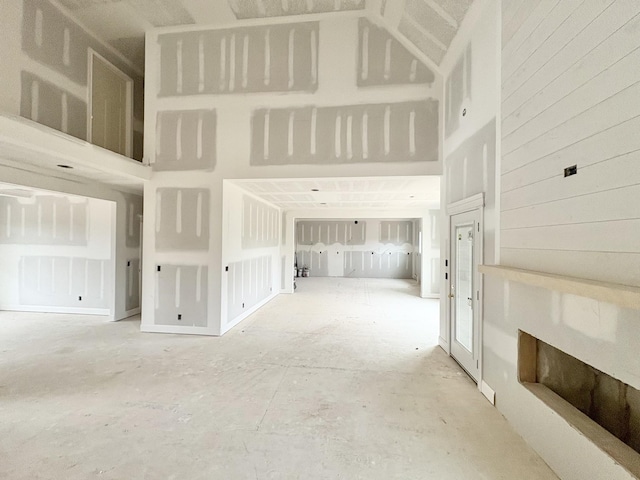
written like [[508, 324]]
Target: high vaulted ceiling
[[430, 25]]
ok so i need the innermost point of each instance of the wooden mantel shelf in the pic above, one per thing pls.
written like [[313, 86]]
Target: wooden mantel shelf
[[622, 295]]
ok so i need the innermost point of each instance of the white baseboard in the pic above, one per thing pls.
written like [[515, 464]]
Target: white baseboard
[[179, 329], [70, 310], [488, 392]]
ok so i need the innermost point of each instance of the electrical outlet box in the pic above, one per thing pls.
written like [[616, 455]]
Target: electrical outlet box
[[572, 170]]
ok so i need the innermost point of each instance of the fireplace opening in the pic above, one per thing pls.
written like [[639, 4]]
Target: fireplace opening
[[557, 378]]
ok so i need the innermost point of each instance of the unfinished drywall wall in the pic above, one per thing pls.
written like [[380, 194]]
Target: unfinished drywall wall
[[401, 132], [181, 295], [45, 65], [356, 248], [383, 60], [182, 219], [186, 140], [57, 253], [334, 87], [431, 25], [251, 253], [273, 58], [471, 148], [458, 92]]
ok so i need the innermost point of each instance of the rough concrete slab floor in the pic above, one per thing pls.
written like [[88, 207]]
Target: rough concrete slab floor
[[341, 380]]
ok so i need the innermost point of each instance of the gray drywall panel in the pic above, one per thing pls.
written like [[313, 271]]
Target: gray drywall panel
[[424, 43], [48, 220], [316, 262], [426, 16], [435, 276], [458, 89], [382, 60], [399, 132], [65, 282], [132, 295], [259, 224], [182, 219], [60, 44], [434, 233], [181, 295], [44, 102], [249, 282], [367, 264], [186, 140], [262, 9], [331, 232], [133, 216], [472, 166], [274, 58], [396, 232], [53, 39]]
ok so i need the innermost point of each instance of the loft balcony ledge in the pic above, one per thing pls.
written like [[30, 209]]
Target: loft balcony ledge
[[28, 142], [626, 296]]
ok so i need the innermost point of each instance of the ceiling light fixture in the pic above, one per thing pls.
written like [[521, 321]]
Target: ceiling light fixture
[[315, 190], [65, 166]]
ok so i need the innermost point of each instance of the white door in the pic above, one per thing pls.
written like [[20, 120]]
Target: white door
[[464, 293], [109, 106]]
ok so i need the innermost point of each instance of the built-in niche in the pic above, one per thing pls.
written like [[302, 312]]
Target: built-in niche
[[604, 409]]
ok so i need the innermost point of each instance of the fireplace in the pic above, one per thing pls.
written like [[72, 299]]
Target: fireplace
[[604, 409]]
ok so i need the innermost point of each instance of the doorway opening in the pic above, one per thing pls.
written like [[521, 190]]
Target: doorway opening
[[110, 106]]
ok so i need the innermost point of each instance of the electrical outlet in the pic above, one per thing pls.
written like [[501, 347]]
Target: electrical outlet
[[80, 298], [243, 305], [179, 316], [572, 170]]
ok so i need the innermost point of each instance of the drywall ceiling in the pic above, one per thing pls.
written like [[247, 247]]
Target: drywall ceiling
[[358, 193], [429, 25]]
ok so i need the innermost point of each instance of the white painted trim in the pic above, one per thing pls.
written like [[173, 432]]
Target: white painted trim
[[177, 329], [91, 54], [466, 205], [43, 309], [469, 204], [488, 392], [57, 147]]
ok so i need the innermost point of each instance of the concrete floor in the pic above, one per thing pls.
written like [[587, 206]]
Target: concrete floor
[[342, 380]]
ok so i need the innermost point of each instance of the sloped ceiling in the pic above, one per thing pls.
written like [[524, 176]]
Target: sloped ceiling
[[430, 25]]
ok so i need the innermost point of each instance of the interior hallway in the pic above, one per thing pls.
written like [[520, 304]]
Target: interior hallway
[[343, 379]]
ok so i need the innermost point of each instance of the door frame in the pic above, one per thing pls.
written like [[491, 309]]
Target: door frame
[[91, 55], [469, 204]]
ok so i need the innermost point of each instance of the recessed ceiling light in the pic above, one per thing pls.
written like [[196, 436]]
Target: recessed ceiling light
[[323, 204], [65, 166], [315, 190], [411, 196]]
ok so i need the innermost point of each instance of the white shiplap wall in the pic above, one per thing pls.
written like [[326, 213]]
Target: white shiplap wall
[[571, 96]]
